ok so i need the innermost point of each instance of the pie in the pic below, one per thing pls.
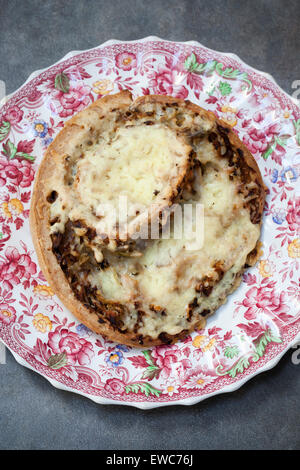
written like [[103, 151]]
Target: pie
[[161, 156]]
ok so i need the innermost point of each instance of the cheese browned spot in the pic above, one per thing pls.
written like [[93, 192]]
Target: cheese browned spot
[[170, 288]]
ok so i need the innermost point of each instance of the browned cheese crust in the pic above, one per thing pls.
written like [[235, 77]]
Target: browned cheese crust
[[85, 301]]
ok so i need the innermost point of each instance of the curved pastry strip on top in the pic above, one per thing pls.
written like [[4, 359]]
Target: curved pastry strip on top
[[119, 167]]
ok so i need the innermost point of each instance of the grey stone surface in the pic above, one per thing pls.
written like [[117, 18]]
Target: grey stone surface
[[265, 413]]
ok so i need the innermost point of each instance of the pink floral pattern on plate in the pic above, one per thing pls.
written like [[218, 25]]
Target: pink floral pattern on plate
[[260, 321]]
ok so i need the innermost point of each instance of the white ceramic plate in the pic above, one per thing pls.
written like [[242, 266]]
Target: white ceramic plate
[[260, 321]]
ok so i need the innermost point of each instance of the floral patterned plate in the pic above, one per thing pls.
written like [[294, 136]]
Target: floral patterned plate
[[260, 321]]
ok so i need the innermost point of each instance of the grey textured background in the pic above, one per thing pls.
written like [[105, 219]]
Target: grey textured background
[[265, 412]]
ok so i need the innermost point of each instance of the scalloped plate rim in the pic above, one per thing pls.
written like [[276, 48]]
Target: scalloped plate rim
[[151, 405], [187, 401]]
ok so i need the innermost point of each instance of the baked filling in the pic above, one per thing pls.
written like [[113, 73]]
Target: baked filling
[[158, 153]]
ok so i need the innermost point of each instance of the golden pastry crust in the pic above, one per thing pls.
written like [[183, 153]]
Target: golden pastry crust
[[87, 302]]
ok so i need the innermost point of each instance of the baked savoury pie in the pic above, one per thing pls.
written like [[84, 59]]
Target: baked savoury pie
[[158, 152]]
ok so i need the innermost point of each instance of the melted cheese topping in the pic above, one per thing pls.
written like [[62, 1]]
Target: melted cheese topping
[[167, 272], [138, 162], [142, 162]]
